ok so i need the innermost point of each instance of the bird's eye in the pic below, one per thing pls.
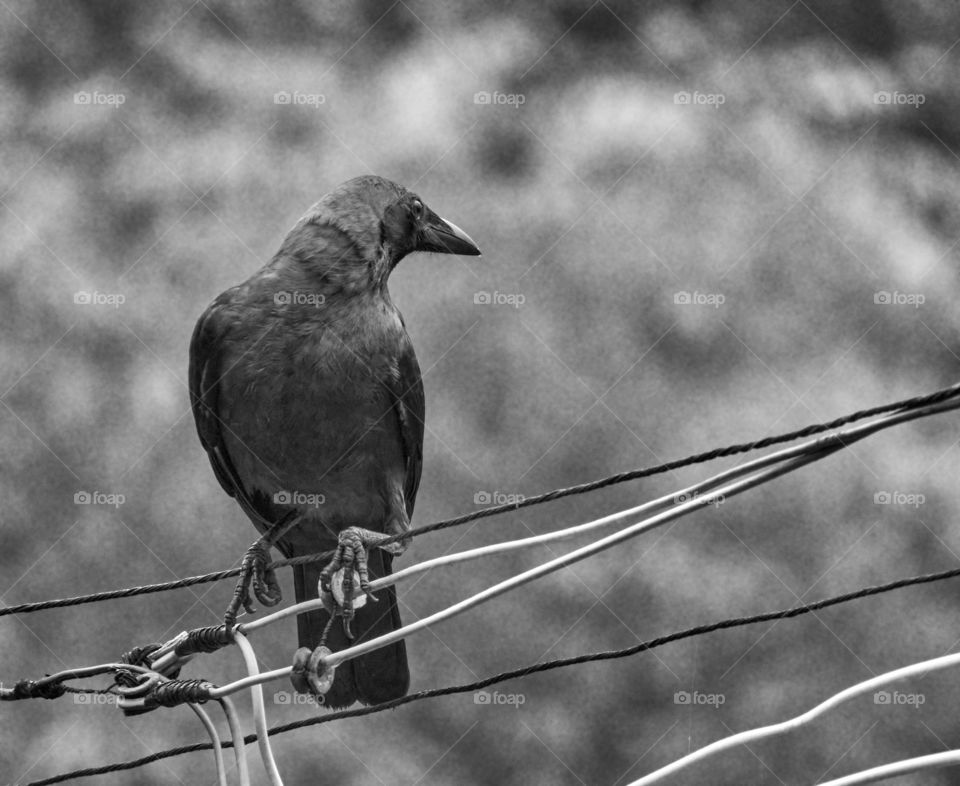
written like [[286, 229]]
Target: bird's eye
[[417, 209]]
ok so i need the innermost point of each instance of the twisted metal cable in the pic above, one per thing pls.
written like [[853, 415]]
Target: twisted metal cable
[[525, 671], [905, 404]]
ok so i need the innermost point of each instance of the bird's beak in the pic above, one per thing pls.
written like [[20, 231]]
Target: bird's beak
[[445, 237]]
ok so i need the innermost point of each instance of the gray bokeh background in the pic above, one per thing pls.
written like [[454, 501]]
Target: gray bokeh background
[[813, 169]]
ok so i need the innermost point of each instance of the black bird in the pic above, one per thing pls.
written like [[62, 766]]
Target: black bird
[[308, 400]]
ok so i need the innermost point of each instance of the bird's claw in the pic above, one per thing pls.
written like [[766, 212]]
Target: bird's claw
[[351, 552], [255, 573]]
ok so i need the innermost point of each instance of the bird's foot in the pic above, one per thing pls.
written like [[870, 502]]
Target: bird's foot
[[255, 573], [339, 574]]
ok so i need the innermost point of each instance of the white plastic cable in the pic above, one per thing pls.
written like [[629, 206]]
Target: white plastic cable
[[755, 735], [667, 509], [728, 490], [215, 739], [201, 713], [789, 460], [259, 712], [239, 746], [112, 668], [705, 491], [892, 770]]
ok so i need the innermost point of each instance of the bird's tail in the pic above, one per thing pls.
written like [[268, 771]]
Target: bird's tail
[[373, 678]]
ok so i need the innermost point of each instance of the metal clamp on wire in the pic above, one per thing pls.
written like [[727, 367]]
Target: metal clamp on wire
[[170, 657], [298, 672], [165, 658], [134, 683], [132, 689], [33, 689], [343, 583], [174, 692], [137, 657], [155, 692], [334, 596], [310, 673]]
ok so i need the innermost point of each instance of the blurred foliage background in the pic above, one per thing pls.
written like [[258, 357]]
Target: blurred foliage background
[[145, 158]]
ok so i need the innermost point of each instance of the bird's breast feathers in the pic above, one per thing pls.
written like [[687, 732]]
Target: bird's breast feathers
[[312, 409]]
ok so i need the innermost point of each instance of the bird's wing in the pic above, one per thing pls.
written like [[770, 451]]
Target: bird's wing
[[409, 401], [205, 374]]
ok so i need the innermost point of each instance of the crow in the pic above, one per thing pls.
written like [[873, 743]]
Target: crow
[[308, 400]]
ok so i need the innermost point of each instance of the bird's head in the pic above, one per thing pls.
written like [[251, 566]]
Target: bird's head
[[357, 233]]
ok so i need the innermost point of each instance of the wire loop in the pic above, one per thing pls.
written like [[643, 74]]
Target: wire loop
[[319, 674], [298, 671]]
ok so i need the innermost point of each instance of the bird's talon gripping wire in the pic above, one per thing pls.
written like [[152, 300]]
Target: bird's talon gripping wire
[[255, 575], [266, 588], [347, 571]]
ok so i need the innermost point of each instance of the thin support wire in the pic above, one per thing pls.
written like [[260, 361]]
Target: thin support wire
[[916, 402]]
